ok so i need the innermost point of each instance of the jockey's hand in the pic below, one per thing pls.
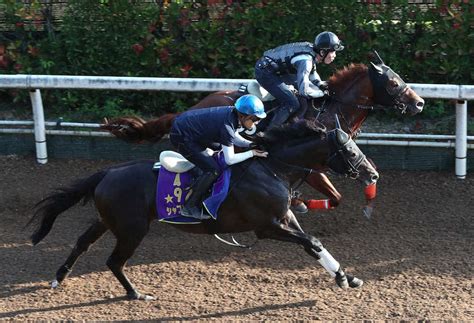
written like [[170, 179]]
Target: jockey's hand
[[260, 153], [323, 86]]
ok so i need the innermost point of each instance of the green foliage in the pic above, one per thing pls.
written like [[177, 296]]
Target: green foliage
[[223, 39], [436, 109], [470, 125]]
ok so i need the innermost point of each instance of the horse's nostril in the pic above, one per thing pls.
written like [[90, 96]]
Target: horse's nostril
[[420, 104], [374, 177]]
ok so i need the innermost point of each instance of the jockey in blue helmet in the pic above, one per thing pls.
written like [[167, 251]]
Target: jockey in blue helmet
[[216, 128], [279, 67], [250, 105]]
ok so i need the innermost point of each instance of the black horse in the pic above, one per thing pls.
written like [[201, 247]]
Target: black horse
[[124, 196]]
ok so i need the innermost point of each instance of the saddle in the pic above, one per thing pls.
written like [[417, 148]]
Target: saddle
[[253, 87], [174, 185], [175, 162]]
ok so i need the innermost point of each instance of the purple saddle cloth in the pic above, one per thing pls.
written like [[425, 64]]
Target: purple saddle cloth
[[173, 188]]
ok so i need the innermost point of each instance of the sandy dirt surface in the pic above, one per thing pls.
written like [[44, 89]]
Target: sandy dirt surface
[[415, 257]]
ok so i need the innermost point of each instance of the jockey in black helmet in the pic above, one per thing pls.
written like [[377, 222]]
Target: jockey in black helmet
[[278, 67]]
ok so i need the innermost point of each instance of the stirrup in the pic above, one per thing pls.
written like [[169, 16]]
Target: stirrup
[[194, 212]]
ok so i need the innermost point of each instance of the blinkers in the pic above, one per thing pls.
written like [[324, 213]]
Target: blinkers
[[345, 156], [388, 86]]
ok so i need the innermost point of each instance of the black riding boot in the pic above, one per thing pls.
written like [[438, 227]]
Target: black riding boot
[[280, 117], [193, 206]]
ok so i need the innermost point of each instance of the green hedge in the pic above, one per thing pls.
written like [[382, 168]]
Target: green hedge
[[221, 39]]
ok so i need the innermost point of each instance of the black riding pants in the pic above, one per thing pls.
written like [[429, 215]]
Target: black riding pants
[[195, 152], [276, 85]]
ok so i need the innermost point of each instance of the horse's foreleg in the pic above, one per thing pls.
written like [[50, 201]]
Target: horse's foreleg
[[314, 248], [83, 244], [124, 249], [321, 183]]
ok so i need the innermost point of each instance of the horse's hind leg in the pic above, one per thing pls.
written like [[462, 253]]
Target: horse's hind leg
[[83, 244], [124, 249]]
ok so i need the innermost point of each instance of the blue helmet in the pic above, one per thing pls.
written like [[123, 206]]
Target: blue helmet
[[251, 105]]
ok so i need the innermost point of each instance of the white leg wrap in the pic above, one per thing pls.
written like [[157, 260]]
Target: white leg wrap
[[328, 262]]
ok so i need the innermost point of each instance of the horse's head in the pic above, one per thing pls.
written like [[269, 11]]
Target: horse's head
[[307, 143], [346, 158], [390, 90], [358, 88]]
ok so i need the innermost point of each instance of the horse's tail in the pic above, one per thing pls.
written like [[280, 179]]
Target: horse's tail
[[48, 209], [136, 130]]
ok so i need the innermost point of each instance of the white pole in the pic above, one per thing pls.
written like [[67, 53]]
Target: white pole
[[461, 138], [40, 128]]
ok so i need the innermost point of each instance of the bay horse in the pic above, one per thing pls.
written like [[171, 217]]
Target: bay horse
[[258, 199], [355, 91]]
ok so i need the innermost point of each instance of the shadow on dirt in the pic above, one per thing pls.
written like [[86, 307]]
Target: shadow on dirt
[[75, 306], [245, 311]]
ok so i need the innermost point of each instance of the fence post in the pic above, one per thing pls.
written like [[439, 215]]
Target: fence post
[[461, 138], [40, 128]]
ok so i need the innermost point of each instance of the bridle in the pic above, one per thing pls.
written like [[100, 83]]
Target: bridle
[[346, 153], [344, 158], [385, 96]]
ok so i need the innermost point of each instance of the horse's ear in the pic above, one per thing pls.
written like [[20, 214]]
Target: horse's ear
[[341, 136], [376, 68], [338, 124], [378, 57]]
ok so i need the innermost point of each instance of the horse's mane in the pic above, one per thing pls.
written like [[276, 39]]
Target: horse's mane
[[339, 80], [286, 133]]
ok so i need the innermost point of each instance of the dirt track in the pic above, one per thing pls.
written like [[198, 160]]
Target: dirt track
[[415, 257]]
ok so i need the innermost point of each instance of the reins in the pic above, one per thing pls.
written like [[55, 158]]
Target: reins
[[301, 180], [298, 168], [341, 114]]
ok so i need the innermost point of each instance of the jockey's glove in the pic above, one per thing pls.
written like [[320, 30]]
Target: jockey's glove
[[323, 86]]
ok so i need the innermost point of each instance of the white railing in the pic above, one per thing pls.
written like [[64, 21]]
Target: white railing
[[33, 83]]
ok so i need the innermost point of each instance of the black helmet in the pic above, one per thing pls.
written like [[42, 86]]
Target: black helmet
[[327, 41]]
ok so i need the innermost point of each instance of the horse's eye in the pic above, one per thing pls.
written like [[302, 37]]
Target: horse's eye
[[393, 83]]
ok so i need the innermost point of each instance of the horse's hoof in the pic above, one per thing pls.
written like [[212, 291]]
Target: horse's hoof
[[341, 280], [367, 211], [54, 284], [140, 297], [300, 208], [149, 298], [354, 282]]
